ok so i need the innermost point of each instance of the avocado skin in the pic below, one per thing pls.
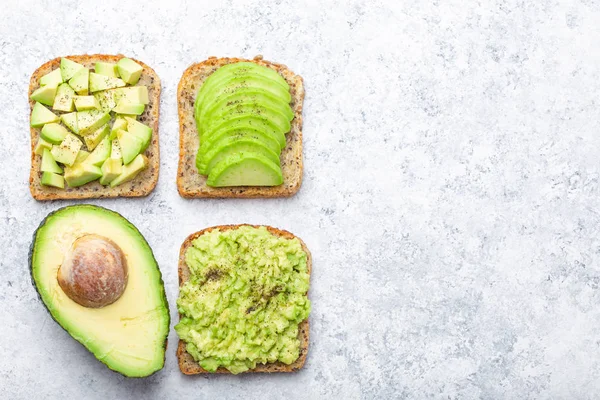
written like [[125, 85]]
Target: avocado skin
[[162, 286]]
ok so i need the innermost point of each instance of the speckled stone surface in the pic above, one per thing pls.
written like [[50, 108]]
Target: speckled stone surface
[[450, 196]]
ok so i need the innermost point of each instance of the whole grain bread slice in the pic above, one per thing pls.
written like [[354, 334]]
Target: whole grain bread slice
[[187, 364], [144, 183], [189, 182]]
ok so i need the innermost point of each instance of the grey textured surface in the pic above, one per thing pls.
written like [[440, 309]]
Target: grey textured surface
[[450, 196]]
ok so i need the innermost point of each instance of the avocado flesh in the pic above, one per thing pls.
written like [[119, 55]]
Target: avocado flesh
[[231, 146], [242, 110], [53, 78], [45, 94], [251, 169], [129, 336], [236, 84], [52, 179], [238, 134], [254, 122], [81, 174], [40, 116], [248, 96]]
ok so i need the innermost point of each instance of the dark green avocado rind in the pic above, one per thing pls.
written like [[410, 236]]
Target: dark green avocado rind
[[162, 293]]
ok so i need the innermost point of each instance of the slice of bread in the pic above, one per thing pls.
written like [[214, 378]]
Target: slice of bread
[[144, 183], [187, 364], [189, 182]]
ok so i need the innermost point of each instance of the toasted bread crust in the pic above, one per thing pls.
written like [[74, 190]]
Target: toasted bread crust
[[144, 183], [193, 185], [188, 365]]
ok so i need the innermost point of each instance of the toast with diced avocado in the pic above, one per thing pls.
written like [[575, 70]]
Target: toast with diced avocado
[[187, 363], [216, 156], [85, 95]]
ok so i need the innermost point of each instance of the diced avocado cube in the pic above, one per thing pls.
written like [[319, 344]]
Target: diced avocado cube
[[142, 131], [131, 170], [54, 133], [120, 123], [80, 81], [102, 82], [41, 145], [40, 115], [111, 168], [130, 144], [82, 174], [129, 70], [81, 157], [115, 151], [108, 69], [91, 141], [49, 163], [64, 98], [89, 121], [53, 78], [66, 152], [45, 94], [83, 103], [133, 94], [129, 108], [52, 179], [69, 68], [106, 98], [100, 153], [70, 121]]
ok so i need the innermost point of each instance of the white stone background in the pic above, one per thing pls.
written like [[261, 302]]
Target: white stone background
[[450, 193]]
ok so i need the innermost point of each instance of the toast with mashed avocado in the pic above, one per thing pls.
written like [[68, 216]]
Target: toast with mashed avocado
[[266, 328], [94, 128], [240, 126]]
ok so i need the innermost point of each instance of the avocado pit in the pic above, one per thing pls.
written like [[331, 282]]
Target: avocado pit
[[94, 272]]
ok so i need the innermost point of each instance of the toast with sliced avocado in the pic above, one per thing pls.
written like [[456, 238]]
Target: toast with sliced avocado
[[269, 304], [240, 126], [85, 105]]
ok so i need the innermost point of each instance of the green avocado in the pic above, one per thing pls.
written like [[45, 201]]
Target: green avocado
[[246, 96], [247, 169], [91, 141], [84, 103], [214, 140], [53, 78], [130, 145], [231, 145], [131, 170], [83, 173], [100, 153], [80, 81], [102, 82], [253, 122], [52, 179], [129, 70], [108, 69], [91, 120], [244, 299], [142, 131], [40, 116], [45, 94], [49, 164], [70, 121], [54, 133], [129, 335], [64, 98], [69, 68], [246, 109], [67, 151], [41, 145], [111, 169], [123, 107]]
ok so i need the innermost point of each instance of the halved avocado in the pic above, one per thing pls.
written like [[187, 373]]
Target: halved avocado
[[236, 83], [233, 145], [238, 134], [129, 335], [246, 95], [249, 169], [245, 109]]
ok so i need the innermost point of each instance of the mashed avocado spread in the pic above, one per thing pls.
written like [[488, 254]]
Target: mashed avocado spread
[[244, 300]]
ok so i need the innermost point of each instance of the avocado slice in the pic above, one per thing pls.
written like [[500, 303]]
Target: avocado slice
[[277, 119], [54, 133], [133, 94], [52, 179], [69, 68], [81, 174], [91, 141], [80, 81], [248, 169], [100, 153], [111, 169], [129, 335], [45, 94], [255, 122], [102, 82], [119, 123], [237, 134], [233, 145], [49, 164], [115, 150], [64, 98], [53, 78], [108, 69], [142, 131], [123, 107], [131, 170], [40, 115], [66, 152], [129, 70], [130, 144], [246, 96], [89, 121], [41, 145], [81, 157], [70, 121], [106, 99], [84, 103]]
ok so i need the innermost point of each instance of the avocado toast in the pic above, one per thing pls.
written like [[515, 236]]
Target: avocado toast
[[187, 363], [139, 177], [191, 183]]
